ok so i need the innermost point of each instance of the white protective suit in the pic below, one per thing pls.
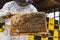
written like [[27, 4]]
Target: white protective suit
[[12, 7]]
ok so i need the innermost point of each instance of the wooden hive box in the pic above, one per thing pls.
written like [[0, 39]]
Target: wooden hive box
[[28, 23]]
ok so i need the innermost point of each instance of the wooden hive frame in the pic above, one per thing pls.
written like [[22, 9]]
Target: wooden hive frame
[[13, 32]]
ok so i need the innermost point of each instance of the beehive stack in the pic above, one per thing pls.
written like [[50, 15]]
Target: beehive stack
[[28, 23]]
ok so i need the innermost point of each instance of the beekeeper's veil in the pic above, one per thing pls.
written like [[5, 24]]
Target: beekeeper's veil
[[23, 2]]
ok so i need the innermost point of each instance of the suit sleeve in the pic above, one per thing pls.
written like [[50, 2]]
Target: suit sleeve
[[4, 12], [33, 9]]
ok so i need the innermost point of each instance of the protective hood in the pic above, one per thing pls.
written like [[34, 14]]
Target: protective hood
[[23, 4]]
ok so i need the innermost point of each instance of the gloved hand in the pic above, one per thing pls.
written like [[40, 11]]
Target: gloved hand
[[4, 17], [8, 15]]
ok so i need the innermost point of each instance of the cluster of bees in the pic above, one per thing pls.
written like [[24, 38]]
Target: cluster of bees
[[28, 23]]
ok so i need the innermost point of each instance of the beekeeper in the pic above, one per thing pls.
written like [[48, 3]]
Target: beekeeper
[[15, 6]]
